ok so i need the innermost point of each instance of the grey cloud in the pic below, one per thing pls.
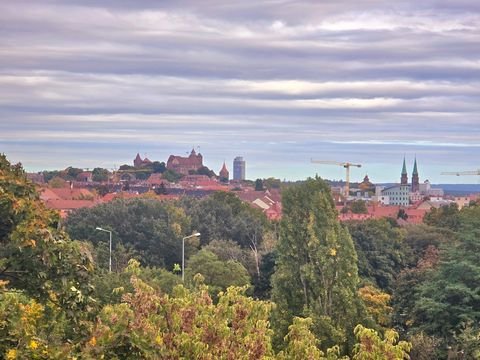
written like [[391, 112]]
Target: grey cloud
[[366, 80]]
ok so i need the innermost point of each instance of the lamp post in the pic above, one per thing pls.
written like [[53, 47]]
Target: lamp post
[[183, 252], [110, 258]]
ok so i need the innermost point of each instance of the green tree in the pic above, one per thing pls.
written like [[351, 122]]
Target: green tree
[[359, 207], [153, 229], [380, 251], [259, 185], [302, 344], [218, 274], [158, 167], [205, 171], [272, 183], [171, 176], [71, 173], [100, 175], [57, 182], [185, 325], [223, 216], [39, 259], [445, 217], [316, 274], [451, 297], [371, 346], [49, 175]]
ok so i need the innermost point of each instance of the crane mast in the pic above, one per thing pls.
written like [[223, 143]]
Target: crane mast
[[346, 165]]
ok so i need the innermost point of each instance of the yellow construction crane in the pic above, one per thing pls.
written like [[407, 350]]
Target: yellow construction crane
[[461, 173], [346, 165]]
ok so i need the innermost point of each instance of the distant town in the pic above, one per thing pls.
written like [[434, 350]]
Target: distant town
[[72, 188]]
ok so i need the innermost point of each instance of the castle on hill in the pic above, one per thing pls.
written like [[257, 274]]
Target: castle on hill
[[183, 165]]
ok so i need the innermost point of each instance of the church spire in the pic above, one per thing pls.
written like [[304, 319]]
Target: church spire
[[404, 178], [415, 180]]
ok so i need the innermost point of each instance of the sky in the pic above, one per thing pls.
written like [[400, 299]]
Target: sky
[[89, 83]]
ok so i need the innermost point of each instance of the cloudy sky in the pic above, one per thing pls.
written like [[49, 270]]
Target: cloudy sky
[[91, 83]]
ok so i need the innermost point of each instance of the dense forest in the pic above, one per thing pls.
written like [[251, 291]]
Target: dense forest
[[307, 287]]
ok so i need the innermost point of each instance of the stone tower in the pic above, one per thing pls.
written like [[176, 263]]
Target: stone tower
[[404, 178], [415, 181]]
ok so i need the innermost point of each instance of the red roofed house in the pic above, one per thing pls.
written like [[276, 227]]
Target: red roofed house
[[268, 201], [183, 165], [85, 176], [67, 199], [156, 179]]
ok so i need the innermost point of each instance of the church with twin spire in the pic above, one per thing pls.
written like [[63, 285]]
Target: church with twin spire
[[404, 193]]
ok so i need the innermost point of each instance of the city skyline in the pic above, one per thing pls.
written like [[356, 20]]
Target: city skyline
[[91, 83]]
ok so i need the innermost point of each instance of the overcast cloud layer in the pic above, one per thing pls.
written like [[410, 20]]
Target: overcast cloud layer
[[91, 83]]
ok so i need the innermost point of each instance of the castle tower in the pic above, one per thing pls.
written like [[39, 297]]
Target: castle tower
[[404, 178], [415, 181], [137, 162], [224, 174]]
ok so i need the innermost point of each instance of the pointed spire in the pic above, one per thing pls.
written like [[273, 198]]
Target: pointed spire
[[224, 167], [415, 171], [404, 177]]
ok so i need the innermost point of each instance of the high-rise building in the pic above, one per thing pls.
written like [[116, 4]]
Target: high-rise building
[[238, 168]]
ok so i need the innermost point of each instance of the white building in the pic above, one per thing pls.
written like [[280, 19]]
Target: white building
[[397, 195]]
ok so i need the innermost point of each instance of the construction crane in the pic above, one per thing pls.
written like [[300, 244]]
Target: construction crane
[[461, 173], [346, 165]]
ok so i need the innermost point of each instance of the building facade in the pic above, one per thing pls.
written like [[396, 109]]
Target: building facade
[[397, 195], [183, 165], [238, 168]]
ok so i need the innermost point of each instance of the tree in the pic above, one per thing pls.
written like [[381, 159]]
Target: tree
[[223, 216], [161, 190], [38, 258], [57, 182], [358, 207], [445, 217], [380, 251], [71, 173], [377, 305], [451, 296], [100, 175], [371, 346], [259, 185], [153, 229], [316, 274], [205, 171], [217, 274], [185, 325], [302, 344], [272, 183], [402, 214], [171, 176], [158, 167]]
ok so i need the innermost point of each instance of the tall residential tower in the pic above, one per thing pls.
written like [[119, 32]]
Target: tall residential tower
[[238, 168]]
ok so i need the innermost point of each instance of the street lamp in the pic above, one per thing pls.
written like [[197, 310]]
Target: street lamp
[[183, 252], [110, 259]]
